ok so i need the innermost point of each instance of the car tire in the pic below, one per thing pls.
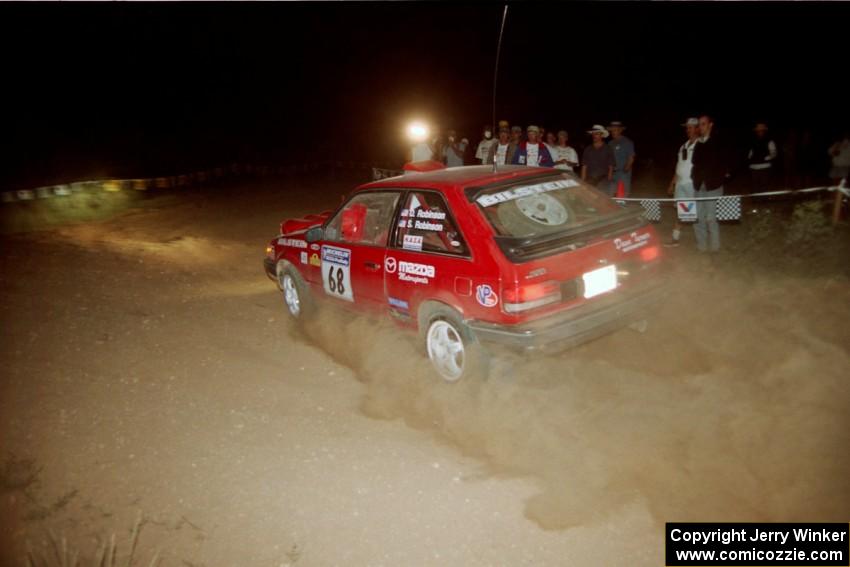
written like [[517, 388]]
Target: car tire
[[454, 352], [296, 296]]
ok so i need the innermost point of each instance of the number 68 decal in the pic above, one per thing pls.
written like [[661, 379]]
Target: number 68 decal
[[336, 272]]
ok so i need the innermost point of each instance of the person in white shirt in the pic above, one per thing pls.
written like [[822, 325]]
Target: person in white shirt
[[502, 151], [484, 145], [422, 151], [563, 153], [682, 186]]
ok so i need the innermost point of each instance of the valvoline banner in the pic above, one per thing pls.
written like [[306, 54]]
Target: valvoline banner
[[687, 210]]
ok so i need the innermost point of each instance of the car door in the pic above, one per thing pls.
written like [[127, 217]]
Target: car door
[[427, 258], [353, 248]]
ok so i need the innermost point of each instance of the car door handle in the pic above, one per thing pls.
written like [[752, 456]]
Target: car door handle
[[372, 266]]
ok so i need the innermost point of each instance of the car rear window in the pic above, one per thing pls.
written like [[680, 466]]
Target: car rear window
[[541, 207]]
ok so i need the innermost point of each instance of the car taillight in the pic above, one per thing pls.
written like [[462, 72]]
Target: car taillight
[[530, 296], [649, 254]]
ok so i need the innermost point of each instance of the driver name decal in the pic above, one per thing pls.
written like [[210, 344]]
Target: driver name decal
[[524, 191]]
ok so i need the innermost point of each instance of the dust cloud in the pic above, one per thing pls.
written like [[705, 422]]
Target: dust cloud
[[733, 406]]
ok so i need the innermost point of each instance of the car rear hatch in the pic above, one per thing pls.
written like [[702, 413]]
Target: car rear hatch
[[567, 243]]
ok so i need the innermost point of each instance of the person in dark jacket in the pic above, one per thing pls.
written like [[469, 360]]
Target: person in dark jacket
[[761, 158], [532, 152], [711, 169]]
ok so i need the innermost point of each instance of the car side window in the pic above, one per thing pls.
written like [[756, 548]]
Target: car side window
[[365, 219], [426, 225]]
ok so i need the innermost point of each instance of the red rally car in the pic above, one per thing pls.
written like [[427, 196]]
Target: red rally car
[[531, 258]]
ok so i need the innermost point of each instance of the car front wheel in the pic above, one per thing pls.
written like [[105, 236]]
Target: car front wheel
[[295, 294]]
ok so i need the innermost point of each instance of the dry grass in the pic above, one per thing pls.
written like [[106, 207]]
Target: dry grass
[[57, 552]]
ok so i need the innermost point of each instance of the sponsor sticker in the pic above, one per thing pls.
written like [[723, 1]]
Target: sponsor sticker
[[687, 210], [335, 255], [314, 246], [390, 265], [633, 242], [398, 303], [314, 259], [336, 272], [524, 191], [485, 295], [292, 242], [416, 273], [412, 242], [303, 257]]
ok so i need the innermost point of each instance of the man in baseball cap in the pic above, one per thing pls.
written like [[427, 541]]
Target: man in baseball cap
[[681, 186], [624, 156], [533, 152]]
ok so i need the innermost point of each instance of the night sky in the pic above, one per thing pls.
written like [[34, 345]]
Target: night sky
[[147, 89]]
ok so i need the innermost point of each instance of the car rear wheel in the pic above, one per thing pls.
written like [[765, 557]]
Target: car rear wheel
[[295, 294], [453, 351]]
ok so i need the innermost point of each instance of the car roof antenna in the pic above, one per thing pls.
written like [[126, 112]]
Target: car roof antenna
[[496, 75]]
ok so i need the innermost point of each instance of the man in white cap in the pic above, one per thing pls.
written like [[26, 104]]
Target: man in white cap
[[682, 186], [624, 156], [597, 161], [533, 152], [761, 157]]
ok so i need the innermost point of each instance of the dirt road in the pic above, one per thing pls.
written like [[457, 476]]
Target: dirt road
[[149, 367]]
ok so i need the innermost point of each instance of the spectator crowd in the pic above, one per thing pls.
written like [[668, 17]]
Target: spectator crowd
[[705, 162]]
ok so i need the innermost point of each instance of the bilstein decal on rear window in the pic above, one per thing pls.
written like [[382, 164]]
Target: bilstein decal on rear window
[[524, 191]]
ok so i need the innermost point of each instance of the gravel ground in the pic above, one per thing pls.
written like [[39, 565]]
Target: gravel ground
[[149, 367]]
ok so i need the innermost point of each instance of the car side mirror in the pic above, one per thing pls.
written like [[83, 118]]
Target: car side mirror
[[314, 234]]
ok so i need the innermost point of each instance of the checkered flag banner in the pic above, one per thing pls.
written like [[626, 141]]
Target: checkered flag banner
[[652, 209], [728, 208]]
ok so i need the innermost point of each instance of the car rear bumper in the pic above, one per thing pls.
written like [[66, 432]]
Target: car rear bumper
[[271, 269], [574, 326]]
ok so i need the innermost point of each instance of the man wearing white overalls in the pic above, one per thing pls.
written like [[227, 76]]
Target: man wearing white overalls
[[681, 186]]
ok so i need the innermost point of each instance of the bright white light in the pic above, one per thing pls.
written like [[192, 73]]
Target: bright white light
[[417, 131]]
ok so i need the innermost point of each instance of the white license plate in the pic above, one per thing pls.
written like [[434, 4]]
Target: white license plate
[[599, 281]]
